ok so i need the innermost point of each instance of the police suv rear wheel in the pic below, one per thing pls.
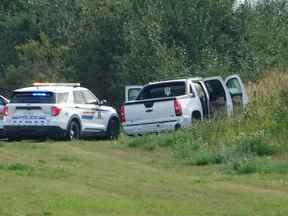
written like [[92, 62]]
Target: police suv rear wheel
[[13, 138], [73, 131]]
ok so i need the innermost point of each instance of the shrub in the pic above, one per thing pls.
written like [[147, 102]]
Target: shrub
[[260, 166], [256, 143], [146, 142], [18, 168]]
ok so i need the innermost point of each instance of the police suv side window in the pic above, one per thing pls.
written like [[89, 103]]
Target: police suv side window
[[62, 97], [78, 97], [89, 97]]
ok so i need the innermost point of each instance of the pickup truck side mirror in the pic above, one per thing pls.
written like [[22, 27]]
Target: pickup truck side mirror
[[103, 102]]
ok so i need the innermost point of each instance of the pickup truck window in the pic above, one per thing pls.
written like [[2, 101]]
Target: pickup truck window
[[2, 103], [163, 90], [234, 87], [132, 94]]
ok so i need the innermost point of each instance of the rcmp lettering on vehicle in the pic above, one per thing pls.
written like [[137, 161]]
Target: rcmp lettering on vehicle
[[87, 115]]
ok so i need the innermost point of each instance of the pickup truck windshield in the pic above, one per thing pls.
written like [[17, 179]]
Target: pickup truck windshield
[[33, 97], [163, 90]]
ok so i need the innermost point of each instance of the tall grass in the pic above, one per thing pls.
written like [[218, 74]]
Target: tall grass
[[260, 131]]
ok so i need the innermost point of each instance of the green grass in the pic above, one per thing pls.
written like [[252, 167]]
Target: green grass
[[107, 178]]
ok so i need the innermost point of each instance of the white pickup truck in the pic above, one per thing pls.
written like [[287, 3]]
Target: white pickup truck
[[170, 105]]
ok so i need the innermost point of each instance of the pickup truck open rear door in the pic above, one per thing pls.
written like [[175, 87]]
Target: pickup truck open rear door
[[220, 102], [238, 92], [131, 92]]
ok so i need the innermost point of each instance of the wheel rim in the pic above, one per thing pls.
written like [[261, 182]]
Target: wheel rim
[[113, 129], [74, 132]]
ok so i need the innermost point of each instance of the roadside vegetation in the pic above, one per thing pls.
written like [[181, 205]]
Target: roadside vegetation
[[252, 142]]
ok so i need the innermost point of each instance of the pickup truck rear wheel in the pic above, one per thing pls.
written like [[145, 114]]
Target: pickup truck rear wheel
[[196, 116], [113, 130]]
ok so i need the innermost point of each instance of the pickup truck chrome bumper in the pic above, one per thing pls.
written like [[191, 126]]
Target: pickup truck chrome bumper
[[152, 127]]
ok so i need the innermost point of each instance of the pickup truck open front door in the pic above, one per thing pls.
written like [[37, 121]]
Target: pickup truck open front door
[[131, 92], [238, 92]]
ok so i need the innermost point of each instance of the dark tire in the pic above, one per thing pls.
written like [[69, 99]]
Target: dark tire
[[13, 138], [73, 132], [196, 116], [113, 130], [177, 127]]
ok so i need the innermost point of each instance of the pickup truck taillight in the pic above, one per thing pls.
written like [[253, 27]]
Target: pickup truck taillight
[[178, 108], [122, 114], [5, 111], [55, 111]]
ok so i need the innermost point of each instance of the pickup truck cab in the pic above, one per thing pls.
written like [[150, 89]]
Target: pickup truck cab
[[173, 104], [58, 110], [3, 102]]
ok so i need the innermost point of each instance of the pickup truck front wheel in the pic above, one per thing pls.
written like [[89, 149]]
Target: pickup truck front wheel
[[113, 130]]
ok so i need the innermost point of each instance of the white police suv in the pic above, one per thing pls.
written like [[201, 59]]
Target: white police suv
[[3, 102], [58, 110]]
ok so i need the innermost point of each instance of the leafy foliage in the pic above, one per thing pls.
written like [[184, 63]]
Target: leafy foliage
[[106, 45]]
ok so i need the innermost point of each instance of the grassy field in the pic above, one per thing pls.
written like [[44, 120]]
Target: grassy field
[[107, 178]]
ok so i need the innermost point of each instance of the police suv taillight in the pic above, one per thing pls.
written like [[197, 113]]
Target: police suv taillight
[[177, 108], [55, 111], [5, 111], [122, 114]]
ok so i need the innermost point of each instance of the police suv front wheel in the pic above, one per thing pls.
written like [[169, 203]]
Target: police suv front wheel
[[113, 130]]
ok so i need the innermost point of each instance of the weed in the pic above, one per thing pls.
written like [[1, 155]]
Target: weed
[[18, 168], [260, 166], [256, 143], [69, 159]]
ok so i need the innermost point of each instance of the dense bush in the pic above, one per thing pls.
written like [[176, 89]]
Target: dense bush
[[115, 43]]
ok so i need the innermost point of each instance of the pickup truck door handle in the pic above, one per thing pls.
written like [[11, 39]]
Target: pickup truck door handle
[[149, 110]]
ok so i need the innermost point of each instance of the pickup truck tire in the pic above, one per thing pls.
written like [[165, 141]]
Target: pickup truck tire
[[196, 116], [177, 127], [73, 132], [113, 129]]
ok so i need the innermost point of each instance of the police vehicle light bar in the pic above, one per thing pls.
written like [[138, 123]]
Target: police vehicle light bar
[[57, 84]]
